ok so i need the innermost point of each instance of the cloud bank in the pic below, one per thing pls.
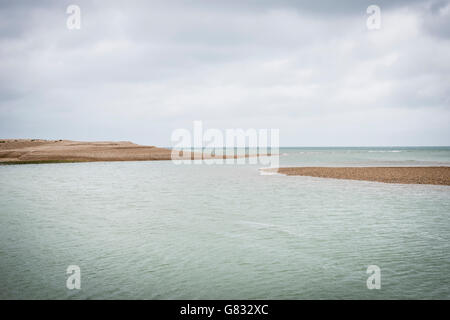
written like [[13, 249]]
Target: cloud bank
[[137, 70]]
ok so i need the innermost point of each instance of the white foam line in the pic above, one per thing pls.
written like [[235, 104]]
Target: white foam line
[[269, 172]]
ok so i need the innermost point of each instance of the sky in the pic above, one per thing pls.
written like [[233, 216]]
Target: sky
[[138, 70]]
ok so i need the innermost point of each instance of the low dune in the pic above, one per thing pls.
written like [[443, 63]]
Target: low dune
[[406, 175], [45, 151], [21, 151]]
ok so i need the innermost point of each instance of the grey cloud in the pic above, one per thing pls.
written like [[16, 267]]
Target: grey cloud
[[137, 69], [436, 20]]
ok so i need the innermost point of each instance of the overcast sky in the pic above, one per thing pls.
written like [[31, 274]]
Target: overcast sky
[[137, 70]]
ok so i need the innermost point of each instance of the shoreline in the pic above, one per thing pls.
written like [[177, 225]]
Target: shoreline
[[38, 151], [401, 175]]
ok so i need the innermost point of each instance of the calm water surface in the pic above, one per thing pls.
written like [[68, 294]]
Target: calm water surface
[[155, 230]]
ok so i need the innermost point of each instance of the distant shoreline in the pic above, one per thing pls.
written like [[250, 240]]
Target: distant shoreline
[[403, 175], [33, 151], [38, 151]]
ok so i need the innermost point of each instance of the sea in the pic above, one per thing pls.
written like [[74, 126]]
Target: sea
[[160, 230]]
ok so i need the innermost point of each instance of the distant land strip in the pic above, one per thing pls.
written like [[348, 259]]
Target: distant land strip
[[35, 151]]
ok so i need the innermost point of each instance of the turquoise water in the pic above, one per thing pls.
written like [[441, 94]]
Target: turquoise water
[[155, 230], [366, 156]]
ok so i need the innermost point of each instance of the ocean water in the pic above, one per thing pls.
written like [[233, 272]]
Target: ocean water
[[156, 230]]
